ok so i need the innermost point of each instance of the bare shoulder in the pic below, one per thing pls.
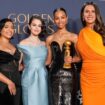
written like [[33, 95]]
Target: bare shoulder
[[50, 38], [73, 34], [74, 37], [24, 41]]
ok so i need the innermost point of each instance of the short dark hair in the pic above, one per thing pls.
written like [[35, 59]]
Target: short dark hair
[[59, 9]]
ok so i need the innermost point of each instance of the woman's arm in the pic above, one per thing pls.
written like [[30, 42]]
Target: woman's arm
[[21, 66], [77, 57], [49, 55], [11, 85]]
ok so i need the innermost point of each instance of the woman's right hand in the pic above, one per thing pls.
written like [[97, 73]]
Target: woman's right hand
[[12, 88], [68, 59]]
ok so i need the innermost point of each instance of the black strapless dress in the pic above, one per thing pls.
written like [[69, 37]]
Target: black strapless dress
[[9, 67], [61, 79]]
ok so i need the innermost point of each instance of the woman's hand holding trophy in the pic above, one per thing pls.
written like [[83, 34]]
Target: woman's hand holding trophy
[[67, 57]]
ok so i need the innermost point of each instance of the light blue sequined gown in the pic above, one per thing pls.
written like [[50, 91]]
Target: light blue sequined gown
[[34, 76]]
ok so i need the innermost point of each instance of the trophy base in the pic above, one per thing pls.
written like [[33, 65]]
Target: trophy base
[[67, 66]]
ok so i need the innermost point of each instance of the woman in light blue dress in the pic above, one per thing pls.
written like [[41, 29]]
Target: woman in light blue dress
[[34, 76]]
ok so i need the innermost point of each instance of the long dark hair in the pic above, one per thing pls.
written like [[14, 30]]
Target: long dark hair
[[2, 23], [99, 26], [43, 27]]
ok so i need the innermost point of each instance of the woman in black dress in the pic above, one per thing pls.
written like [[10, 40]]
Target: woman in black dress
[[61, 77], [9, 66]]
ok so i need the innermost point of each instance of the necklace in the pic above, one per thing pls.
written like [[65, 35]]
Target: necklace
[[8, 48], [35, 42]]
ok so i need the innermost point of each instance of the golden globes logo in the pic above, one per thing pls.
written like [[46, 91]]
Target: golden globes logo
[[21, 21]]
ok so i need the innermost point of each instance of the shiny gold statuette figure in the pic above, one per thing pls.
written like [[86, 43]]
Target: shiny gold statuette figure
[[67, 54]]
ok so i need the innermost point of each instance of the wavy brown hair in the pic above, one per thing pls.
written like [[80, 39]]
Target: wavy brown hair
[[43, 27], [99, 26]]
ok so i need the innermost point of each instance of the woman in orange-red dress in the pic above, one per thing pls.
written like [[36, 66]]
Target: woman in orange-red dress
[[91, 46]]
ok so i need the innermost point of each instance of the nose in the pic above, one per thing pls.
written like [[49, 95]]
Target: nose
[[11, 29], [37, 26], [60, 20], [90, 13]]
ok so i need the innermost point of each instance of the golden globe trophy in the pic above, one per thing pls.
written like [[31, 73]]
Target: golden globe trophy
[[67, 54]]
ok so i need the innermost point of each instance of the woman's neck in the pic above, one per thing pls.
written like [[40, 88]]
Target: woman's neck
[[62, 30], [91, 26], [4, 40], [34, 38]]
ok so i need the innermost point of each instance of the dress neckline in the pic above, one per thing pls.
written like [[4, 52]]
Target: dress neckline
[[41, 45], [58, 45], [9, 53]]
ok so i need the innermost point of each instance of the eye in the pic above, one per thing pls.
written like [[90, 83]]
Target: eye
[[33, 24], [39, 25], [93, 11], [63, 17], [86, 11], [6, 26], [56, 18]]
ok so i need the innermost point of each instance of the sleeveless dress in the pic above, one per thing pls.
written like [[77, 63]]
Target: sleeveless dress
[[34, 76], [61, 79], [9, 67], [92, 75]]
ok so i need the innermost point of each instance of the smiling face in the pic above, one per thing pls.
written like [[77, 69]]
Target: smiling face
[[89, 15], [8, 30], [35, 27], [60, 19]]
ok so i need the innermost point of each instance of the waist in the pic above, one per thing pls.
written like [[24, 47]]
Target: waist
[[36, 64], [94, 61], [11, 69], [93, 67], [62, 73]]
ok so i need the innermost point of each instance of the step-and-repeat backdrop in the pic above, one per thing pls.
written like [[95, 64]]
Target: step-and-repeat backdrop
[[20, 12]]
